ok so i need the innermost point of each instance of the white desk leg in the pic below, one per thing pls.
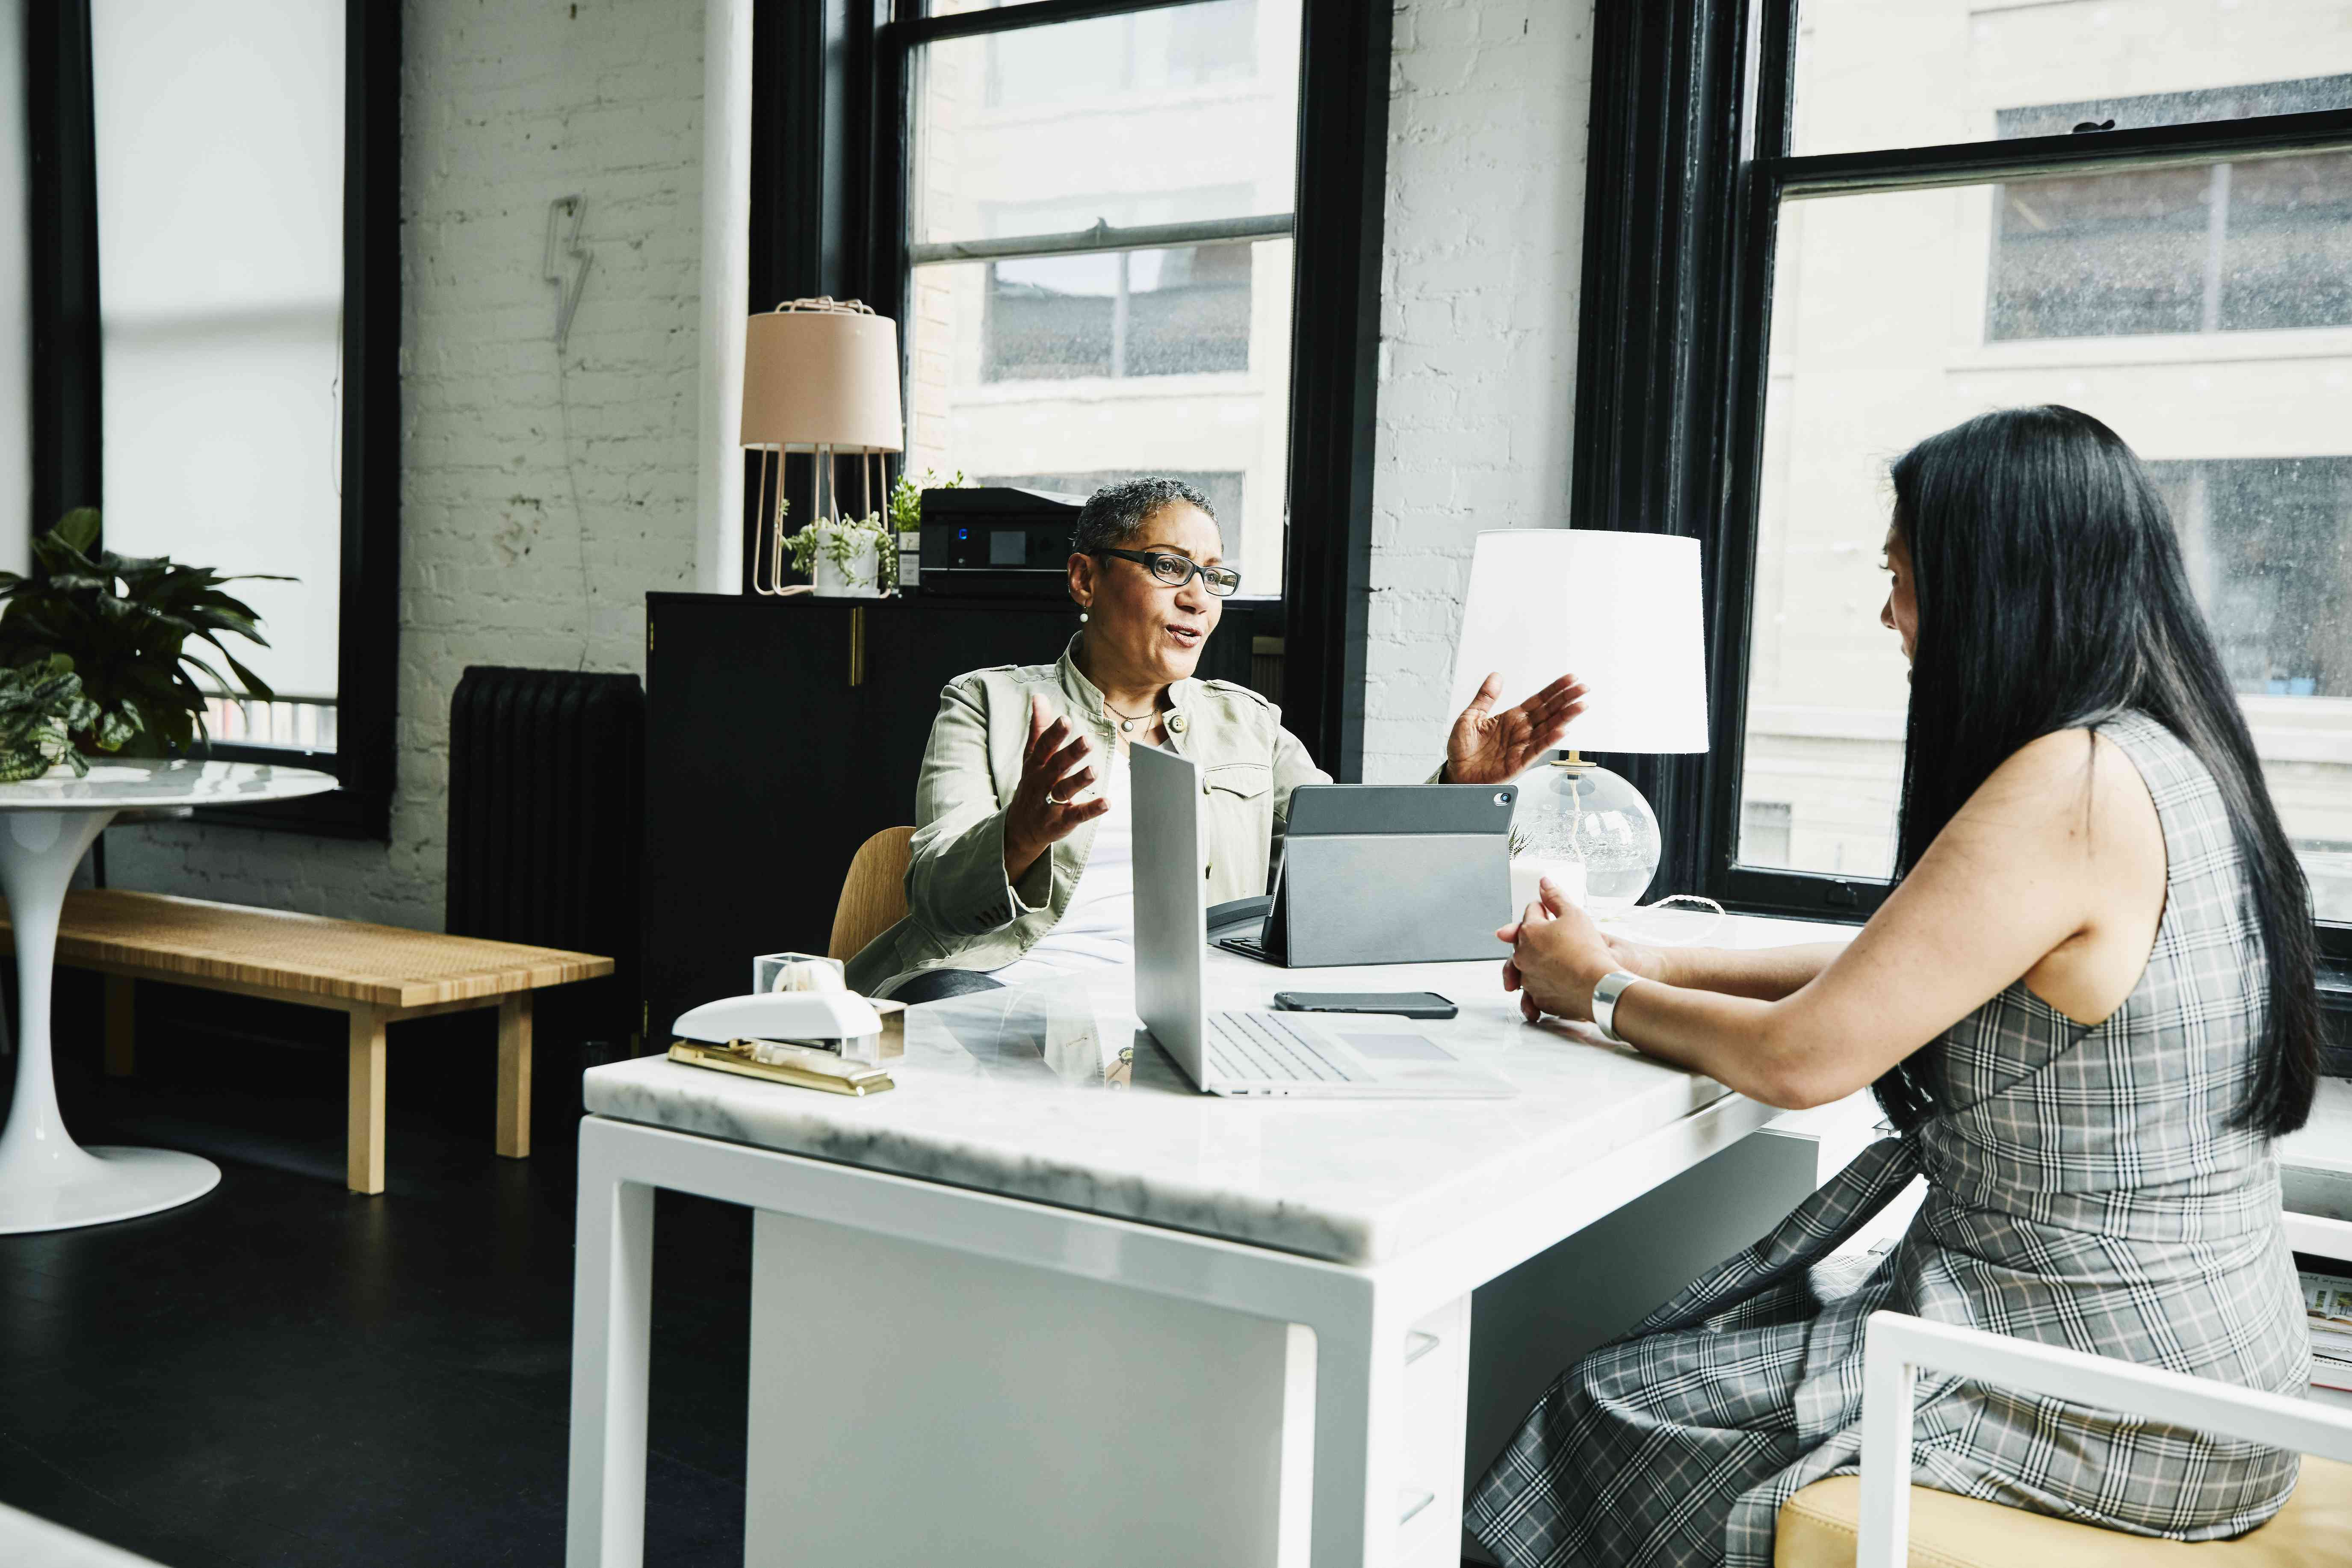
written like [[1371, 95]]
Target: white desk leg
[[47, 1182], [612, 1309], [1358, 1388]]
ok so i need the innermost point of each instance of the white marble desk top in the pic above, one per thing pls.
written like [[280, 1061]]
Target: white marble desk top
[[1053, 1093]]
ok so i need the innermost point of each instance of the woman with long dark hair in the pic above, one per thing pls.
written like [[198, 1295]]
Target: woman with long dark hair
[[2086, 1006]]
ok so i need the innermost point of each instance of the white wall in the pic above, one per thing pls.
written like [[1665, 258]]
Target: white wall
[[726, 286], [1487, 107], [538, 508]]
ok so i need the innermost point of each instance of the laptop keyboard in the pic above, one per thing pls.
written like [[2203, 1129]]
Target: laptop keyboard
[[1267, 1047]]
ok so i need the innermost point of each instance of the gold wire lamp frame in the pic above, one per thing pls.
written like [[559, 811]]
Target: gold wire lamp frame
[[820, 376]]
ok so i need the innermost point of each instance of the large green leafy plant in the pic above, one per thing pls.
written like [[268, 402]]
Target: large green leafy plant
[[124, 623]]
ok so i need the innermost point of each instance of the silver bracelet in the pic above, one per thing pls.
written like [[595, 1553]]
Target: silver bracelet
[[1604, 1003]]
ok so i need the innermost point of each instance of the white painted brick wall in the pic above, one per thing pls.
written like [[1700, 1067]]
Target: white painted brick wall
[[538, 506], [1488, 109]]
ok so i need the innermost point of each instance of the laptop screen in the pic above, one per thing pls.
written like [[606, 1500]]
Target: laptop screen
[[1172, 931]]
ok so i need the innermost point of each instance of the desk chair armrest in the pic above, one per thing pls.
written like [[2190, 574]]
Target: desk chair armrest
[[1898, 1347]]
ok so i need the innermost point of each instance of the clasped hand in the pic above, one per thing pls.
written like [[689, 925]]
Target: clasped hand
[[1558, 955]]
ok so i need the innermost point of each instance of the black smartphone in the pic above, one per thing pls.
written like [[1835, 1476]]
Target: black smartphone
[[1404, 1004]]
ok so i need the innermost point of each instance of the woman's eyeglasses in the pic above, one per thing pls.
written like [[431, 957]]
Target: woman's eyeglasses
[[1176, 570]]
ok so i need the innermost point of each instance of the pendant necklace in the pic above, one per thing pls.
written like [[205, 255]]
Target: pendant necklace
[[1127, 722]]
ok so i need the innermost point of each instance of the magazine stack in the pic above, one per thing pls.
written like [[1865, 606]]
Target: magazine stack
[[2328, 1299]]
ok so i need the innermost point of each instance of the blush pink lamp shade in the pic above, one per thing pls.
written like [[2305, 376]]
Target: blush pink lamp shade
[[822, 374]]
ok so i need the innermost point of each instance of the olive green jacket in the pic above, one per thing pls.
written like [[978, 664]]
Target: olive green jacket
[[963, 913]]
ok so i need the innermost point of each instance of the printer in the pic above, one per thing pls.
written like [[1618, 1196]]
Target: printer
[[996, 541]]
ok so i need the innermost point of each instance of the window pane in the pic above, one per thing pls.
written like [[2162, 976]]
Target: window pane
[[1188, 311], [1173, 115], [2261, 535], [1870, 74], [1145, 312], [1050, 317], [2107, 255], [1887, 328], [1066, 371], [2286, 256], [220, 192], [2259, 244], [293, 726]]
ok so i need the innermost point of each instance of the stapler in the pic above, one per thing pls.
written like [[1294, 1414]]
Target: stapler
[[830, 1040]]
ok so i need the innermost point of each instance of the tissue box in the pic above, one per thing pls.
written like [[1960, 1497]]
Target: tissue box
[[891, 1042], [768, 966]]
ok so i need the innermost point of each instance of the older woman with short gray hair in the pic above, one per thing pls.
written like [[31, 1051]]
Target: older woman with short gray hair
[[1023, 858]]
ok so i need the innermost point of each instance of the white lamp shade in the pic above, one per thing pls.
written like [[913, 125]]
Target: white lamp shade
[[823, 377], [1621, 611]]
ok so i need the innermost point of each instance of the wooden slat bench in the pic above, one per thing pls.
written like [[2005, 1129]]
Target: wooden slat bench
[[377, 974]]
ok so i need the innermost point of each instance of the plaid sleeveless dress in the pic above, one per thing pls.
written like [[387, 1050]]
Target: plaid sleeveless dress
[[2085, 1188]]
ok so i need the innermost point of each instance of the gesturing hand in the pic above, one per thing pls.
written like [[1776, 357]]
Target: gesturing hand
[[1558, 956], [1487, 747], [1054, 767]]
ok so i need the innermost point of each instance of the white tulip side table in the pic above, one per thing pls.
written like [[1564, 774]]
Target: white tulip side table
[[47, 1182]]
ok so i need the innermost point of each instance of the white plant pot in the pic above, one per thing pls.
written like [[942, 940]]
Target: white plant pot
[[858, 580]]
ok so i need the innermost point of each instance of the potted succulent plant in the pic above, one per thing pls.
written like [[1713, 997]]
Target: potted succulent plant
[[122, 622], [906, 521], [844, 558]]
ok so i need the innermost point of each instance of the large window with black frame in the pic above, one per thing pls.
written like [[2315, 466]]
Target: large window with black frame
[[1099, 244], [222, 376], [2173, 256]]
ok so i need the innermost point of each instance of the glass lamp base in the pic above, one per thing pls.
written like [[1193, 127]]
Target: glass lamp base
[[1576, 811]]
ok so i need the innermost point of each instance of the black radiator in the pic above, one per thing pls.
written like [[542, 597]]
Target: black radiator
[[546, 838]]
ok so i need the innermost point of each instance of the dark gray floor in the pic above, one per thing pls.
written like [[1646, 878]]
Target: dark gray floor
[[283, 1374]]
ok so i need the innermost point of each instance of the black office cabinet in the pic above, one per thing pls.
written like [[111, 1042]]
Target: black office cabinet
[[766, 766]]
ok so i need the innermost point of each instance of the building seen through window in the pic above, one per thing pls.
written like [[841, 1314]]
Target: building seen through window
[[2203, 311], [1187, 45], [1101, 257], [2246, 246], [1125, 313], [2269, 547]]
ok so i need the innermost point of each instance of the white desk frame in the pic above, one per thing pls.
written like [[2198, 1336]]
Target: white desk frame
[[1359, 1315]]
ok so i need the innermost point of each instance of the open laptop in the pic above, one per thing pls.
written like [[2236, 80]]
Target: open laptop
[[1253, 1052]]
